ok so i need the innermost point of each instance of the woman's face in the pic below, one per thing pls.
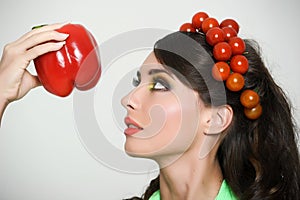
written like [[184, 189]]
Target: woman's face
[[162, 113]]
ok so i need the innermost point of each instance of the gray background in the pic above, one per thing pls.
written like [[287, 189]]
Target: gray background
[[41, 154]]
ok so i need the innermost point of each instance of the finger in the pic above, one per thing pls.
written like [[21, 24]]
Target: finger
[[40, 30], [42, 49], [42, 38]]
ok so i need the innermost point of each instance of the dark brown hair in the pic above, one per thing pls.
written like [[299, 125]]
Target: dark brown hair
[[259, 158]]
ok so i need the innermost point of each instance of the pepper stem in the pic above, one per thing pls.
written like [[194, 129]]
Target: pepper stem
[[38, 26]]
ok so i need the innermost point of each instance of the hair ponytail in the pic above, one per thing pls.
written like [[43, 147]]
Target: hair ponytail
[[153, 187], [260, 159]]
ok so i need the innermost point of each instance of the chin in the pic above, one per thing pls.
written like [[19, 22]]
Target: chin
[[139, 150], [161, 159], [134, 152]]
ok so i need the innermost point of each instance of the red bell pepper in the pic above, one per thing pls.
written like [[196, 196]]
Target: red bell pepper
[[76, 64]]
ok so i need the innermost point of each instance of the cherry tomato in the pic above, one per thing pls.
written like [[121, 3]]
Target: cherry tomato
[[239, 64], [187, 27], [249, 99], [237, 45], [198, 18], [222, 51], [221, 71], [215, 35], [235, 82], [230, 23], [253, 113], [209, 23], [229, 33]]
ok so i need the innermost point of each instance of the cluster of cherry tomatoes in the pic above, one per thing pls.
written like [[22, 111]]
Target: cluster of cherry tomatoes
[[228, 50]]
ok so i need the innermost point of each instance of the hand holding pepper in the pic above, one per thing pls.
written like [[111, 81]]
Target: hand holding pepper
[[15, 80]]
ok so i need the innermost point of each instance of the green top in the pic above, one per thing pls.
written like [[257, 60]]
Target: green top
[[225, 193]]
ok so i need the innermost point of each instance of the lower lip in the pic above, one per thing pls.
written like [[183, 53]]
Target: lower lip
[[131, 131]]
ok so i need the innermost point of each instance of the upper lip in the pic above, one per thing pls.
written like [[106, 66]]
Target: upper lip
[[129, 121]]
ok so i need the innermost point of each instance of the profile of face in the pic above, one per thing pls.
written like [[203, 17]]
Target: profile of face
[[164, 116]]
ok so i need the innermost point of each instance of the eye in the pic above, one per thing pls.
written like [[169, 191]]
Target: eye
[[159, 84], [136, 81]]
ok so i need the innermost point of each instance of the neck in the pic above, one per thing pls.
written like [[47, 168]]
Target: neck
[[189, 178]]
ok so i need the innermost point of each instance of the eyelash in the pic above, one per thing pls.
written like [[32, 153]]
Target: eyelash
[[136, 82], [155, 81], [161, 81]]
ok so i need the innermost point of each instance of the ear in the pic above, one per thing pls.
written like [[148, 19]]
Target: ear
[[218, 120]]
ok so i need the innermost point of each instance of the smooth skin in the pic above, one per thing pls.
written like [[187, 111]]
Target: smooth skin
[[186, 144], [15, 80]]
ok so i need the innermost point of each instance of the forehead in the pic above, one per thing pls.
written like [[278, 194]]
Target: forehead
[[150, 63]]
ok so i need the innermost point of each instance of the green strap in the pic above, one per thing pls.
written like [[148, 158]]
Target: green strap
[[225, 192], [155, 195]]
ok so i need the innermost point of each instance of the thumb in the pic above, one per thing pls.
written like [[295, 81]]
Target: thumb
[[29, 82], [35, 81]]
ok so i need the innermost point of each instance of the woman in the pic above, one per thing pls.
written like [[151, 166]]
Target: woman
[[189, 123], [252, 159]]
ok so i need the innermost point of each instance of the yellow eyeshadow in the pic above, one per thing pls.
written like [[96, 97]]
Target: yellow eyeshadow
[[151, 86]]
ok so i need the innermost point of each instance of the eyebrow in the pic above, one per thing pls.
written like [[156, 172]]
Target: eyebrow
[[154, 71], [157, 71]]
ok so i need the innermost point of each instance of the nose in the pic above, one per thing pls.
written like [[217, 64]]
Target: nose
[[132, 100]]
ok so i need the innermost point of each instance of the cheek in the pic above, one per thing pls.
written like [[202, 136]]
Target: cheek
[[163, 116], [182, 124], [172, 127], [172, 120]]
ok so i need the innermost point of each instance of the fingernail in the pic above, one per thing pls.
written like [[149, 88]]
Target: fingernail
[[64, 35], [60, 43], [64, 23]]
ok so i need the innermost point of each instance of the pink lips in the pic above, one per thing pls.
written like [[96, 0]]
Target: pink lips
[[133, 127]]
